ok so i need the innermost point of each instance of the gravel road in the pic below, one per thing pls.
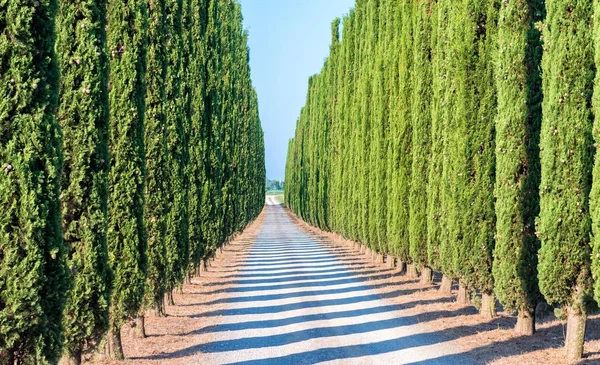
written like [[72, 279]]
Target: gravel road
[[295, 303]]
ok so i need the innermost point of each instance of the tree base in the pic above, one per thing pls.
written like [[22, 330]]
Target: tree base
[[363, 248], [71, 359], [139, 326], [463, 296], [379, 258], [426, 276], [368, 252], [411, 271], [525, 323], [114, 347], [445, 286], [356, 247], [400, 266], [390, 261], [170, 300], [488, 306], [576, 324]]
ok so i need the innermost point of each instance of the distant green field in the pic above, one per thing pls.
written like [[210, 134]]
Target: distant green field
[[274, 192]]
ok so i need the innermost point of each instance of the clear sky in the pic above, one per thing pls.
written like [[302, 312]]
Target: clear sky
[[289, 41]]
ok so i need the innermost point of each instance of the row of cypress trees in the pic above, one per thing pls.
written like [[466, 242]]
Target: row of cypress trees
[[459, 136], [131, 149]]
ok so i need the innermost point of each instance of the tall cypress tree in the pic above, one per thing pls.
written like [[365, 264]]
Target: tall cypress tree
[[401, 135], [126, 35], [439, 246], [595, 192], [155, 132], [421, 134], [566, 154], [33, 275], [83, 116], [197, 113], [518, 85], [470, 172], [176, 235]]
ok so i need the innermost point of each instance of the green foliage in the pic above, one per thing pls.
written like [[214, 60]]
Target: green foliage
[[177, 230], [595, 191], [155, 132], [33, 275], [83, 117], [518, 83], [127, 241], [566, 152], [469, 175], [421, 129], [163, 162]]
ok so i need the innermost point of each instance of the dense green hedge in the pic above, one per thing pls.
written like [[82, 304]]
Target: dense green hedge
[[136, 124], [482, 177]]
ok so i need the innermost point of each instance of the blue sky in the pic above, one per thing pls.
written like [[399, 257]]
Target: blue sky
[[289, 41]]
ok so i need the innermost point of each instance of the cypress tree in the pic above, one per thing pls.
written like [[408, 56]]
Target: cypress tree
[[439, 246], [471, 148], [155, 131], [126, 35], [379, 125], [518, 85], [33, 275], [83, 116], [176, 235], [197, 114], [421, 130], [595, 191], [401, 136], [566, 154]]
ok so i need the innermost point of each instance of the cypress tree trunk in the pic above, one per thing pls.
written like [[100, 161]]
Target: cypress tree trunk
[[488, 305], [426, 276], [114, 347], [463, 296], [576, 324], [566, 153], [391, 261], [83, 115], [445, 286], [525, 322], [411, 271], [33, 273], [126, 35]]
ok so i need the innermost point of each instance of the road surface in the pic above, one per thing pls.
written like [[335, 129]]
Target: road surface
[[295, 303]]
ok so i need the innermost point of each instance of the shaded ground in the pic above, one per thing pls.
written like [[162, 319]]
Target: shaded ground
[[300, 295]]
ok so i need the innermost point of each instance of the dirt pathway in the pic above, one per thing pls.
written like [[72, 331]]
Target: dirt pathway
[[295, 303]]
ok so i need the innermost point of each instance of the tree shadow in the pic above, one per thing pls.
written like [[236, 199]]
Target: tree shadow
[[297, 277], [273, 323], [311, 304]]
